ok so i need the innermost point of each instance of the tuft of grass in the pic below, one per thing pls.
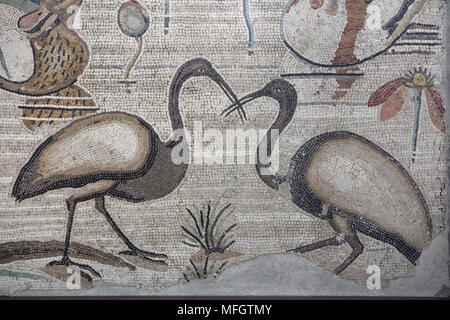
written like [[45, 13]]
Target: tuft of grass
[[204, 270], [210, 232], [207, 231]]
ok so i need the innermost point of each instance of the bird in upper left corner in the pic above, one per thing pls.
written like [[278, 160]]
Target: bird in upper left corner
[[59, 56]]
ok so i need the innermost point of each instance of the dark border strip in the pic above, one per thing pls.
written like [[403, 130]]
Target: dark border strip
[[69, 108], [411, 52], [431, 44], [424, 26]]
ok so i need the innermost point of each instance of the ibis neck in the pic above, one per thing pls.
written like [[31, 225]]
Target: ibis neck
[[265, 147], [174, 109], [179, 134]]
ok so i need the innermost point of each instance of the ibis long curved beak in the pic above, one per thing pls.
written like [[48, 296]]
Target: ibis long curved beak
[[217, 78], [238, 105]]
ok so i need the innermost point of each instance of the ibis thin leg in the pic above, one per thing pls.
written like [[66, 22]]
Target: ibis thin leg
[[65, 261], [100, 206]]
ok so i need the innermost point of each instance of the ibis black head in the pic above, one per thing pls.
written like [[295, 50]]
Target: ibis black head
[[200, 67], [279, 89]]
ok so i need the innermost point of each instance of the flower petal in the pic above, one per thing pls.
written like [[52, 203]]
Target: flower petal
[[394, 103], [384, 92], [436, 108]]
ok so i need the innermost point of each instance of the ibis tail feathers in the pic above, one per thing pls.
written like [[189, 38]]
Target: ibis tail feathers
[[28, 184], [372, 230]]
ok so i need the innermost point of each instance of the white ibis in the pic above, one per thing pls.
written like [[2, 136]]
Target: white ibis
[[112, 154], [348, 181]]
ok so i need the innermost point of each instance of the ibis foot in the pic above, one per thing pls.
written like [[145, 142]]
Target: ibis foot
[[333, 241], [65, 261], [145, 255]]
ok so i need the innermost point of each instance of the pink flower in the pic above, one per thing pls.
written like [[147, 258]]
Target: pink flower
[[392, 95]]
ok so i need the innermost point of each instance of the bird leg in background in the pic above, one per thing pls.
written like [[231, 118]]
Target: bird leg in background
[[398, 24], [345, 53]]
